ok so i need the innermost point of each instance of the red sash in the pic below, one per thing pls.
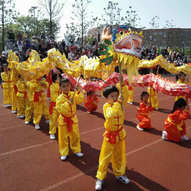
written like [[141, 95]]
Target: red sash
[[111, 135], [51, 107], [37, 95], [69, 122]]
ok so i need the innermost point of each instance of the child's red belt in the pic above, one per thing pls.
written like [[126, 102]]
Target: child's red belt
[[111, 135], [37, 95], [69, 122], [51, 107]]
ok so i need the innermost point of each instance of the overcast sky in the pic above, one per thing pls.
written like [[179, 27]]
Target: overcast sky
[[178, 10]]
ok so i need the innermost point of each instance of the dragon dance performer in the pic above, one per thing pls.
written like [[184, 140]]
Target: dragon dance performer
[[21, 97], [13, 79], [91, 101], [113, 147], [68, 121], [6, 85], [40, 103], [181, 80], [54, 93], [130, 94], [29, 101], [143, 112], [153, 98], [175, 127]]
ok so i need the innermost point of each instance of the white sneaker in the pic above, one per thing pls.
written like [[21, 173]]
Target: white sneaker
[[37, 127], [52, 136], [164, 134], [47, 121], [14, 111], [21, 116], [184, 138], [123, 179], [99, 184], [79, 154], [63, 157], [130, 103], [6, 105], [140, 129], [26, 122]]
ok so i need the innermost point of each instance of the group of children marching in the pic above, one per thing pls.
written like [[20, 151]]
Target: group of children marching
[[29, 99]]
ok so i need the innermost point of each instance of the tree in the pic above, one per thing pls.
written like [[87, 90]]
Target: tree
[[131, 18], [169, 24], [8, 13], [79, 23], [112, 14], [154, 22], [53, 8]]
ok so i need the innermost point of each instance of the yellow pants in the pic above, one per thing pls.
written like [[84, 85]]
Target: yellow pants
[[6, 96], [53, 122], [130, 96], [40, 108], [28, 110], [114, 153], [13, 100], [20, 106], [154, 101], [64, 135]]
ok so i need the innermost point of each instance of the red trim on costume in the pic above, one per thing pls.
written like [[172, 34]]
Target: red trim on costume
[[111, 135], [51, 107]]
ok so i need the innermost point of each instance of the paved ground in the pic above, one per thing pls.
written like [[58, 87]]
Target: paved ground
[[29, 160]]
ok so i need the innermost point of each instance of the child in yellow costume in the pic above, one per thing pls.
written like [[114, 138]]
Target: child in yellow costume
[[29, 101], [40, 102], [113, 147], [181, 80], [13, 79], [54, 93], [6, 85], [130, 94], [153, 98], [68, 121], [21, 97]]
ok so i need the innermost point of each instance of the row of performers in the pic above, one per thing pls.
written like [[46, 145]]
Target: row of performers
[[30, 97]]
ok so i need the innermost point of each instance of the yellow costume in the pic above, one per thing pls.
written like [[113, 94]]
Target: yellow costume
[[130, 94], [21, 97], [68, 122], [29, 101], [113, 147], [40, 102], [124, 92], [6, 88], [13, 79], [153, 98], [54, 93], [180, 82]]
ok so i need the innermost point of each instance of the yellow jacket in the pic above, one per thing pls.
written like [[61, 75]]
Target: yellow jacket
[[54, 91], [21, 88], [114, 117], [151, 92], [6, 79], [66, 108], [39, 87]]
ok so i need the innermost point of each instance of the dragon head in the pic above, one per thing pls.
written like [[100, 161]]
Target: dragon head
[[126, 41]]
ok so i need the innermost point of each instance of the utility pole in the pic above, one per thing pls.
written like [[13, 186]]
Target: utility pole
[[3, 24], [35, 19]]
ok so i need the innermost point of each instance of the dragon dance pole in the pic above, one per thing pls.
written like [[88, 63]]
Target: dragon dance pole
[[121, 82]]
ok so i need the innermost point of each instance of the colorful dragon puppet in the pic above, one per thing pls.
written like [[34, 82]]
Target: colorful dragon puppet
[[122, 46]]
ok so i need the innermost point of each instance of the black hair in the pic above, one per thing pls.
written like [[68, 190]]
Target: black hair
[[181, 74], [90, 93], [144, 93], [64, 80], [108, 90], [179, 104], [54, 77]]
